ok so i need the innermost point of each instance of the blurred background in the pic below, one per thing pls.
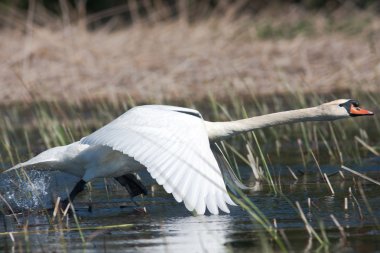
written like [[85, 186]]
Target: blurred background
[[68, 68], [167, 50]]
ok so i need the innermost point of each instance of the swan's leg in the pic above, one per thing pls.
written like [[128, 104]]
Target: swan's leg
[[79, 187], [134, 186]]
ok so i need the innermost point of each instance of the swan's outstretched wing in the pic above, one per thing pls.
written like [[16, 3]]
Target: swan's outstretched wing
[[175, 149]]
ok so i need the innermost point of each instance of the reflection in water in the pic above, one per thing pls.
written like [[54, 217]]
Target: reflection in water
[[195, 234]]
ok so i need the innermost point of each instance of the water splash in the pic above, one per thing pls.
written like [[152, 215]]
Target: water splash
[[34, 189], [26, 191]]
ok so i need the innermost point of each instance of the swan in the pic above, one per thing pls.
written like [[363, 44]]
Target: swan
[[175, 145]]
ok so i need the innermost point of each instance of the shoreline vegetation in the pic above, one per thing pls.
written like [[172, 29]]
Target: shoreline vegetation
[[65, 73], [280, 49]]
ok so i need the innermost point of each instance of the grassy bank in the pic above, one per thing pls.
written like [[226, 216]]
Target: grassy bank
[[279, 50]]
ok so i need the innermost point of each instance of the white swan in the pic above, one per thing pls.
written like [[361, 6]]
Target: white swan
[[173, 144]]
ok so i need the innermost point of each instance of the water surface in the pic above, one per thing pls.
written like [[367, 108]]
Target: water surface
[[167, 226]]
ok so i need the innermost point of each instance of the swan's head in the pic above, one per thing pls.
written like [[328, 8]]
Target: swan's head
[[344, 108]]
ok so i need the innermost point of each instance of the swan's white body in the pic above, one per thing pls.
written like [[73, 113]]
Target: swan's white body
[[173, 144]]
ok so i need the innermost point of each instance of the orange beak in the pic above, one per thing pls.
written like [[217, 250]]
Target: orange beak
[[356, 111]]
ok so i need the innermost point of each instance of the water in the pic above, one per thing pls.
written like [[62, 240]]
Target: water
[[168, 227]]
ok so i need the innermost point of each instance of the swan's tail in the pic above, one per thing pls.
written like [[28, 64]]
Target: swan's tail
[[51, 159], [17, 166], [43, 165]]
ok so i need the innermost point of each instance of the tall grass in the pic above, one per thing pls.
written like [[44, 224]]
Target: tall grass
[[68, 81]]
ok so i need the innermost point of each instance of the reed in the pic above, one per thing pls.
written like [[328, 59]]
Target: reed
[[244, 74]]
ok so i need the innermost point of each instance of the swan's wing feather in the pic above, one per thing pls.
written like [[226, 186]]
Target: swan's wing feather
[[233, 182], [175, 149]]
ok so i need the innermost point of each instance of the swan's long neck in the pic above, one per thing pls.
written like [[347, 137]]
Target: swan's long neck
[[222, 130]]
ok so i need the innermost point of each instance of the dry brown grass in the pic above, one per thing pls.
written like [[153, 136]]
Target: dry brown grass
[[175, 60]]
